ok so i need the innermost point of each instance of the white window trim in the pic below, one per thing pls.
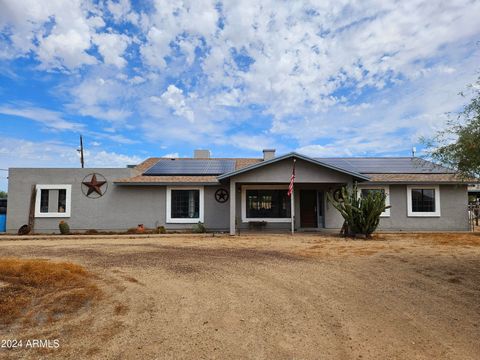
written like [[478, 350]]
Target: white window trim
[[68, 201], [385, 188], [260, 187], [411, 213], [171, 220]]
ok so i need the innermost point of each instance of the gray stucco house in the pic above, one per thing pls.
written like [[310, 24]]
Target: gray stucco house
[[234, 193]]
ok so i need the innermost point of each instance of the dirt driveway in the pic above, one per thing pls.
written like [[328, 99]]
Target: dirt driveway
[[268, 297]]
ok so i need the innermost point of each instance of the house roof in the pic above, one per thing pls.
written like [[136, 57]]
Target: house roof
[[418, 178], [371, 169], [297, 156], [141, 179], [388, 165]]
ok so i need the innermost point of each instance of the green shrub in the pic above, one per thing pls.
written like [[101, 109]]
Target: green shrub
[[199, 228], [64, 228], [161, 230]]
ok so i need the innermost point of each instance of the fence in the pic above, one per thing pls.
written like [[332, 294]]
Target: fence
[[474, 216]]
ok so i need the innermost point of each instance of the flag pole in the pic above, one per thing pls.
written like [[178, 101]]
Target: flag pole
[[292, 210], [292, 197]]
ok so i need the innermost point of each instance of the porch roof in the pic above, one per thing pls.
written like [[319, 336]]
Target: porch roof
[[295, 155]]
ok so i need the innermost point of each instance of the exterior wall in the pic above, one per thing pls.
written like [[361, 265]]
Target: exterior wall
[[281, 171], [121, 208], [453, 208]]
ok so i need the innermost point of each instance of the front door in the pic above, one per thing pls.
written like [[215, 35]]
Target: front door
[[308, 209]]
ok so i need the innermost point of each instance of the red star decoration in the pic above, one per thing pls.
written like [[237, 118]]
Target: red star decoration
[[94, 185]]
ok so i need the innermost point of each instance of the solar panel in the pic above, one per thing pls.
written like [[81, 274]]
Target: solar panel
[[191, 167], [387, 165]]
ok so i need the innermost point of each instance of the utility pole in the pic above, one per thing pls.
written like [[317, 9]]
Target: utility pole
[[81, 152]]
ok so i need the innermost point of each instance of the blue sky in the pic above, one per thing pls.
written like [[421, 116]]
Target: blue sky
[[161, 78]]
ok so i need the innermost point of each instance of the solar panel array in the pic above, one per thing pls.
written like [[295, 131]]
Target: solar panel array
[[400, 165], [191, 167]]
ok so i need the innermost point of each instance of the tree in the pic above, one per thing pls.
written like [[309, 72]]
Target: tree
[[3, 195], [458, 146], [360, 212]]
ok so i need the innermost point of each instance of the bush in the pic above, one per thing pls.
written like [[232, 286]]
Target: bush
[[24, 230], [199, 228], [161, 230], [131, 231], [64, 228], [91, 232], [361, 213]]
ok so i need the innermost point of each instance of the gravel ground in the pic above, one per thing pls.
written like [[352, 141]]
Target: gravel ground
[[409, 296]]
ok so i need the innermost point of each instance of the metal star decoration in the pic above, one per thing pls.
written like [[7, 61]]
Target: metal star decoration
[[221, 195], [94, 185]]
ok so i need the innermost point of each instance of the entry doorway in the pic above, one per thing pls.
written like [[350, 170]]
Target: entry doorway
[[312, 209], [308, 209]]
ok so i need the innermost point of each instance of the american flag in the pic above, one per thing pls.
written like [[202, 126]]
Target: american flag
[[292, 180]]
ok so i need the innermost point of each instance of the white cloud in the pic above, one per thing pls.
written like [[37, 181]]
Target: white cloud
[[331, 76], [48, 118], [112, 47], [171, 155], [100, 98], [23, 153], [175, 99]]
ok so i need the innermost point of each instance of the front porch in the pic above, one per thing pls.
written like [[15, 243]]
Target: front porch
[[258, 193], [267, 208]]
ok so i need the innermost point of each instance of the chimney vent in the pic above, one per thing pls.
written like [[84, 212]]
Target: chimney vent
[[201, 154], [268, 154]]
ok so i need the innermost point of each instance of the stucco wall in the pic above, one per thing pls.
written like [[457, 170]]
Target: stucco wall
[[281, 171], [453, 208], [121, 207]]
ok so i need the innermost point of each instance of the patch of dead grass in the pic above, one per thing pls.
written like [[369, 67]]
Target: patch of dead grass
[[451, 239], [38, 291]]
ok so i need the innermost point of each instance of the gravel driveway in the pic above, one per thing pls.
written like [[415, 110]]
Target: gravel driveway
[[267, 297]]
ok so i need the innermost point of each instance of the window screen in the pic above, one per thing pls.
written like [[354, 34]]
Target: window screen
[[423, 200], [185, 204], [268, 204], [44, 195], [62, 200]]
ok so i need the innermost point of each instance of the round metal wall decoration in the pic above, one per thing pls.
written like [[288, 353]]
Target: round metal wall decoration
[[337, 195], [221, 195], [94, 185]]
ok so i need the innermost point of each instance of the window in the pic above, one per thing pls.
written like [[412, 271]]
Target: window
[[268, 204], [44, 200], [62, 200], [184, 205], [365, 190], [423, 200], [53, 201], [265, 203]]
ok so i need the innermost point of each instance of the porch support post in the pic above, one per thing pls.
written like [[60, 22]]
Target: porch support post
[[292, 210], [233, 197]]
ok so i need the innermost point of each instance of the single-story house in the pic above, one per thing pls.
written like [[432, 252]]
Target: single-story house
[[231, 194]]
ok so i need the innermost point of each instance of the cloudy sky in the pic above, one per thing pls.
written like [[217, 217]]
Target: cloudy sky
[[142, 78]]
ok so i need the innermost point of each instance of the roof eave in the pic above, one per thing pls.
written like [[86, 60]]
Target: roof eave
[[133, 183], [356, 175]]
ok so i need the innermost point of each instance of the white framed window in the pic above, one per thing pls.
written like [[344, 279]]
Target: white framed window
[[365, 189], [423, 200], [53, 201], [269, 203], [185, 204]]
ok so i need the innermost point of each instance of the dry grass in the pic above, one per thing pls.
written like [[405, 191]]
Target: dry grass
[[38, 291]]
